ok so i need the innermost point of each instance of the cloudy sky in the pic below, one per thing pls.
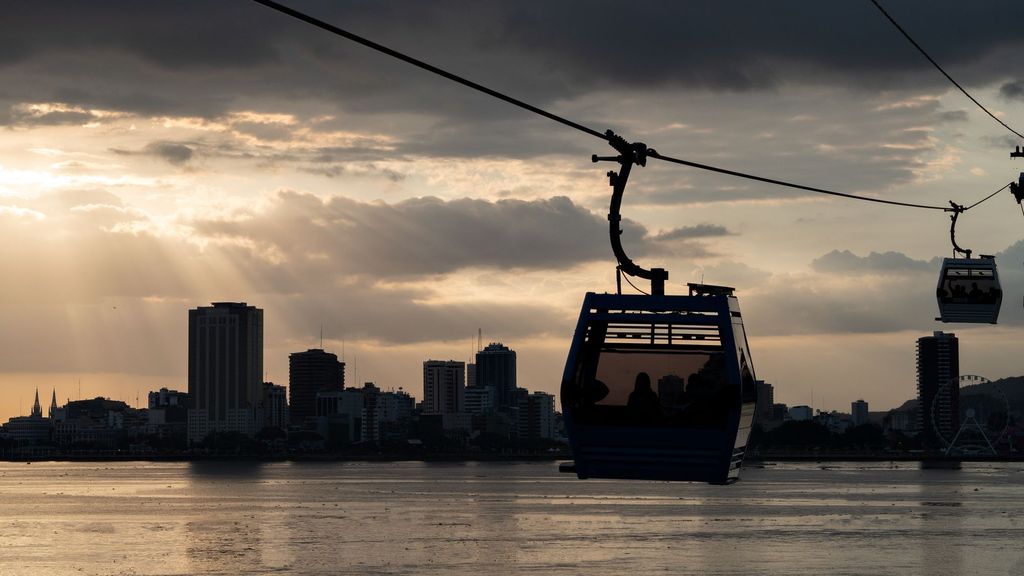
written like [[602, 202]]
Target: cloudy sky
[[159, 156]]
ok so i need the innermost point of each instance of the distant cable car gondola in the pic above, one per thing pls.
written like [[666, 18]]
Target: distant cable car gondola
[[968, 290], [657, 387]]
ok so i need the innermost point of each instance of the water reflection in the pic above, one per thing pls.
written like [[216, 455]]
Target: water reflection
[[400, 518], [941, 524]]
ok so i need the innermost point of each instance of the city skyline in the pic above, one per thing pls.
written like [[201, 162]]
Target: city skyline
[[156, 158]]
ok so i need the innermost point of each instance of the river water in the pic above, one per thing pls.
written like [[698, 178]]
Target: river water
[[505, 518]]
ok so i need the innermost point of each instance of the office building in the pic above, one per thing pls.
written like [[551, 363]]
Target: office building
[[165, 398], [443, 386], [765, 399], [496, 368], [275, 406], [225, 369], [537, 416], [479, 400], [859, 412], [310, 372], [800, 413], [938, 391]]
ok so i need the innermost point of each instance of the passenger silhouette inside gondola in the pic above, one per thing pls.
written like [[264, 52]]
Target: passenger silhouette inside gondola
[[594, 391], [975, 293], [643, 404]]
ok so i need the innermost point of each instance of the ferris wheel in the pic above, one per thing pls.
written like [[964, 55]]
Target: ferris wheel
[[984, 418]]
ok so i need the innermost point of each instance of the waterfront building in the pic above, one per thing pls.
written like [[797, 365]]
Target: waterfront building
[[938, 392], [765, 400], [537, 417], [396, 405], [496, 368], [859, 412], [800, 413], [780, 412], [348, 416], [275, 406], [310, 372], [99, 423], [443, 386], [167, 416], [479, 400], [30, 430], [396, 414], [225, 369]]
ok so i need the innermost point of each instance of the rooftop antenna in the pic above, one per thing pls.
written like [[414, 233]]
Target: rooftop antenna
[[479, 339], [321, 335]]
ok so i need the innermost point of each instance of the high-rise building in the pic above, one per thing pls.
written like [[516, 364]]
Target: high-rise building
[[471, 375], [310, 372], [537, 416], [496, 368], [859, 412], [938, 391], [275, 406], [225, 369], [479, 400], [765, 399], [443, 386]]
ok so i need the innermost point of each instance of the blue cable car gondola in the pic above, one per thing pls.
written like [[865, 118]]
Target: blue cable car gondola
[[657, 387], [968, 290]]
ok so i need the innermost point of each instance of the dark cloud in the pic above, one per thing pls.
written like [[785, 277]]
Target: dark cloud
[[340, 170], [423, 236], [691, 232], [953, 116], [175, 153], [204, 56], [21, 117], [846, 262], [1012, 90]]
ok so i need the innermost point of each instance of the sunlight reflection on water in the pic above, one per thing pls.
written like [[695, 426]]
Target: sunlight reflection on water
[[411, 517]]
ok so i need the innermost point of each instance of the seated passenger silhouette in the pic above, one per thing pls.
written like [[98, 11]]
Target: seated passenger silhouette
[[975, 293], [594, 391], [994, 294], [643, 405]]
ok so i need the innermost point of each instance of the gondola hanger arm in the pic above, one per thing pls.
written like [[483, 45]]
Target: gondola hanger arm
[[629, 153]]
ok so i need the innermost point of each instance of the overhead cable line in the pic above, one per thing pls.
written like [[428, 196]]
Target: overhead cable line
[[940, 69], [655, 154], [566, 122], [987, 197], [428, 67]]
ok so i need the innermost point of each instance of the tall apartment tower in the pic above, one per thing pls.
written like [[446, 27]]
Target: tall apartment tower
[[310, 372], [225, 369], [496, 368], [765, 400], [859, 411], [938, 392], [444, 386]]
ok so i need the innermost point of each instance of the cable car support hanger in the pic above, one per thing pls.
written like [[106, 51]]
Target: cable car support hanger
[[956, 210], [629, 154]]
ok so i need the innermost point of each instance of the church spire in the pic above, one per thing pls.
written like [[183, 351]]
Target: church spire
[[37, 410], [53, 403]]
